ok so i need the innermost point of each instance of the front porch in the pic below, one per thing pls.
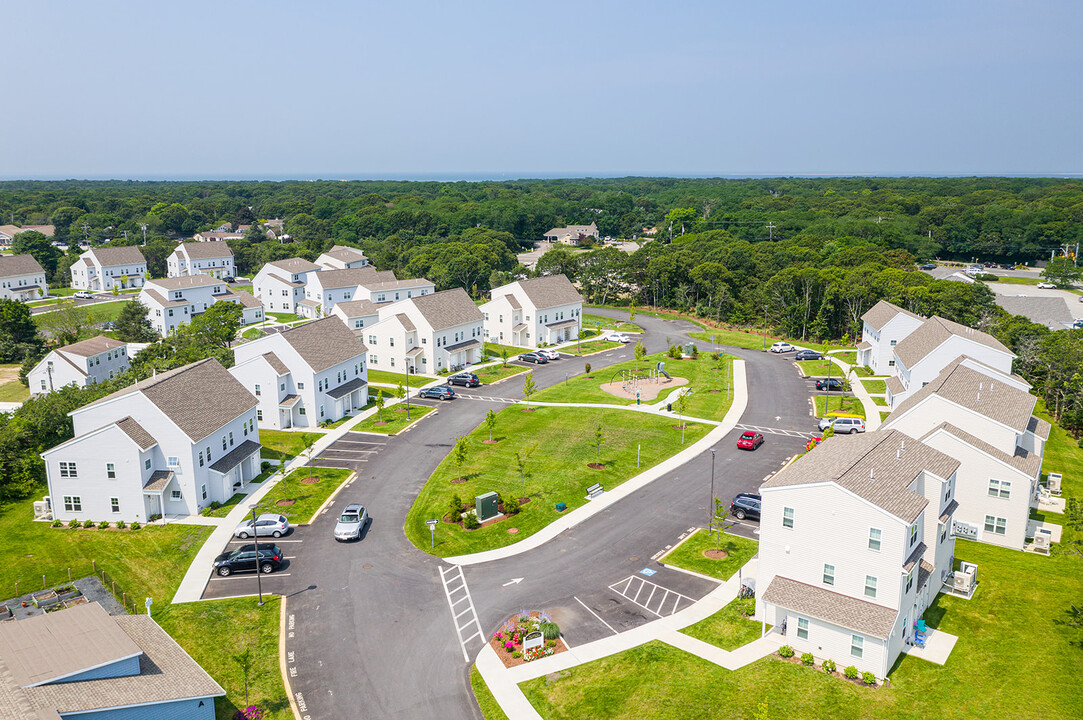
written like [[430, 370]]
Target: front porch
[[462, 354], [348, 396], [287, 406], [563, 331], [232, 473]]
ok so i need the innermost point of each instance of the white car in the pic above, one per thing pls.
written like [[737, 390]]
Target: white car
[[843, 425], [617, 337], [83, 294], [268, 524], [1047, 286], [549, 354], [782, 347]]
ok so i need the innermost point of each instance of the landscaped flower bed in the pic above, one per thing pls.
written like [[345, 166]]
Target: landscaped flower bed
[[509, 640]]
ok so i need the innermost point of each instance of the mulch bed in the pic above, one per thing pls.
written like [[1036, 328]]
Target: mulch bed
[[596, 466], [401, 409], [712, 554], [714, 391], [796, 660], [528, 409], [489, 442], [458, 481], [310, 480], [285, 502], [380, 423], [509, 661]]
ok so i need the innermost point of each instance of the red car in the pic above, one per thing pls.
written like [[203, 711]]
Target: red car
[[749, 441]]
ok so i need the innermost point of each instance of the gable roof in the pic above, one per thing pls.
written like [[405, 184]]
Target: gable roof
[[245, 298], [838, 609], [395, 284], [883, 312], [12, 265], [92, 346], [447, 308], [877, 466], [112, 256], [550, 290], [276, 363], [1049, 311], [354, 308], [186, 281], [136, 432], [13, 230], [158, 298], [345, 254], [294, 265], [205, 250], [323, 343], [984, 394], [199, 398], [1025, 462], [933, 332]]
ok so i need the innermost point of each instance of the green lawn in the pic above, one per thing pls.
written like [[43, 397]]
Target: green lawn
[[589, 347], [1063, 455], [862, 371], [286, 444], [226, 508], [391, 378], [607, 323], [63, 291], [836, 403], [493, 373], [396, 421], [819, 368], [486, 702], [749, 339], [283, 317], [730, 627], [848, 357], [106, 311], [700, 373], [13, 391], [252, 334], [1014, 659], [875, 387], [308, 497], [689, 554], [494, 349], [558, 440], [150, 562]]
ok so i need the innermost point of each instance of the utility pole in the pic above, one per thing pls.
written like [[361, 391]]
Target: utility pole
[[86, 237], [144, 226], [770, 230]]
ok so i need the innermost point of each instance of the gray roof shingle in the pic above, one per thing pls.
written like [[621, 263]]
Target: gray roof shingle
[[199, 398], [136, 432], [235, 456], [1049, 311], [877, 466], [187, 281], [550, 290], [13, 265], [355, 308], [206, 250], [93, 346], [447, 308], [276, 363], [882, 312], [933, 333], [1025, 462], [294, 265], [324, 343], [345, 254], [838, 609], [113, 256]]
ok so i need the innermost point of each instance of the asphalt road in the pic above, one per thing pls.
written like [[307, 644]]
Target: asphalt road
[[369, 626]]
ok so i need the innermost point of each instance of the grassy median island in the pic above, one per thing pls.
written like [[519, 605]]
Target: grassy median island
[[820, 368], [608, 324], [495, 373], [689, 554], [285, 445], [711, 381], [875, 387], [838, 403], [559, 442], [394, 421], [307, 487], [385, 377]]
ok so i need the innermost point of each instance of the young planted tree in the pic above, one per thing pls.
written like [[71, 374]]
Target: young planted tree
[[521, 458], [718, 521], [596, 442], [681, 407], [504, 357], [529, 386], [380, 405], [632, 314], [458, 455], [586, 368], [244, 663], [639, 352], [490, 423]]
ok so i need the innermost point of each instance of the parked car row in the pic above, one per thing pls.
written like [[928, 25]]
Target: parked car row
[[246, 559], [539, 357]]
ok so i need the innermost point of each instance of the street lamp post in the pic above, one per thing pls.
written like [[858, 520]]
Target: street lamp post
[[259, 570], [710, 504], [765, 327]]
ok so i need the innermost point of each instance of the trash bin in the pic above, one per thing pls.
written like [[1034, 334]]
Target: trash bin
[[669, 407], [561, 507]]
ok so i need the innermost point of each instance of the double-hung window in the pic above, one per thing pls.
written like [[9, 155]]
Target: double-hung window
[[996, 525], [870, 586], [857, 645], [787, 517], [110, 471], [114, 504], [913, 534], [802, 628], [73, 503], [875, 535], [829, 574], [1000, 489]]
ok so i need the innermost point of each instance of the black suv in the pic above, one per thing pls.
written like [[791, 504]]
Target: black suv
[[830, 384], [745, 505], [466, 379], [243, 559], [807, 355]]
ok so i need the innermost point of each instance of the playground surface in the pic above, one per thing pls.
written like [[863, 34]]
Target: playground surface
[[648, 389]]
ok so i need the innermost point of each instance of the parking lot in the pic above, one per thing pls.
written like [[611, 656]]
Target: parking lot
[[242, 584], [351, 451]]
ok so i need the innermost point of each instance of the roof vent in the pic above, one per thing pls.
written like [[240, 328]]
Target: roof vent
[[872, 477]]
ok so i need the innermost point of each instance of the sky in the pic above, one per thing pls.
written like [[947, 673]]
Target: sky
[[464, 90]]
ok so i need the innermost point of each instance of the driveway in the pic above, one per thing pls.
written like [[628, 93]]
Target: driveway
[[369, 623]]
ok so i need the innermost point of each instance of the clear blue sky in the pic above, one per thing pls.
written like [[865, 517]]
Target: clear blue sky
[[464, 89]]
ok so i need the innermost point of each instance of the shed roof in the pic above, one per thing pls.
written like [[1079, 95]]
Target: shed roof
[[838, 609]]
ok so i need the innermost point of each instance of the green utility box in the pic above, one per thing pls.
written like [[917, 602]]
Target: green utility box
[[486, 506]]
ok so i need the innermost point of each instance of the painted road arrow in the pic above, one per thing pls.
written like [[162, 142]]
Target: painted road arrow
[[513, 581]]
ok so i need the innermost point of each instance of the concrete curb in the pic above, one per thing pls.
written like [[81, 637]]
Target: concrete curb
[[330, 498], [583, 513], [282, 659]]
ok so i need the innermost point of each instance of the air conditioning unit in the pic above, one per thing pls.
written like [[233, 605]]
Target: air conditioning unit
[[970, 569], [40, 508], [1052, 482], [962, 582], [1042, 539]]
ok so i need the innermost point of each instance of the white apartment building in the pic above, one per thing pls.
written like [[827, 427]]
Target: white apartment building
[[201, 258], [22, 278], [356, 314], [534, 312], [304, 376], [883, 327], [220, 235], [855, 544], [926, 351], [280, 285], [83, 363], [572, 234], [101, 269], [172, 302], [8, 232], [326, 288], [341, 257], [984, 419], [168, 445], [427, 334]]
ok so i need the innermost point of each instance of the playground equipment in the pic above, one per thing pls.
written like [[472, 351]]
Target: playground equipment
[[661, 368], [630, 381]]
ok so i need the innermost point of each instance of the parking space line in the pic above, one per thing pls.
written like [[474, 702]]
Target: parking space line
[[246, 577], [626, 593], [596, 615]]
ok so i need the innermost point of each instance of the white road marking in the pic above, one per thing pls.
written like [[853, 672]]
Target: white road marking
[[268, 576], [603, 622], [774, 431], [456, 573], [626, 592], [513, 581]]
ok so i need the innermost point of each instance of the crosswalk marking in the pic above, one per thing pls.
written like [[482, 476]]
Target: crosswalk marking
[[775, 431], [634, 587]]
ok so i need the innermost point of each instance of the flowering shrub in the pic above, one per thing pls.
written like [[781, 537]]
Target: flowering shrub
[[252, 712], [535, 653], [498, 636]]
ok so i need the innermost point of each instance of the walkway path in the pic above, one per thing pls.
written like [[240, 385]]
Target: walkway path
[[872, 410], [504, 682]]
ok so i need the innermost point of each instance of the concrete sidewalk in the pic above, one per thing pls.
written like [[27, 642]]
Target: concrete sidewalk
[[579, 515], [503, 682], [872, 410]]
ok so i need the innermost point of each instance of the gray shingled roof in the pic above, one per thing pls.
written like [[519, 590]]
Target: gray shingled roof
[[235, 456], [405, 321], [243, 297], [894, 385], [882, 312], [166, 672], [550, 290], [206, 250], [354, 308], [859, 615], [324, 343], [1049, 311], [12, 265], [877, 466], [199, 398], [113, 256], [933, 333], [187, 281], [995, 399], [294, 265], [93, 346], [276, 363], [345, 254], [513, 302], [158, 298], [447, 308], [348, 277], [1025, 462], [1038, 427], [136, 432], [346, 388], [395, 284], [158, 481]]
